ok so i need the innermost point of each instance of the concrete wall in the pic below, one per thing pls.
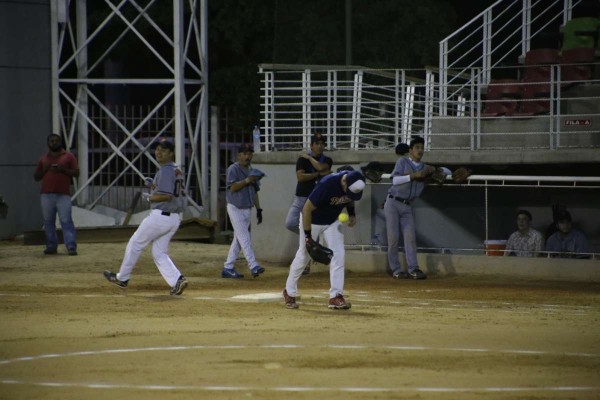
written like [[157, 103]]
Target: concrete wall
[[271, 240], [435, 265], [25, 108], [450, 216]]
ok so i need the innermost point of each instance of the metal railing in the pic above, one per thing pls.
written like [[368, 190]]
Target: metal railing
[[504, 31], [362, 108]]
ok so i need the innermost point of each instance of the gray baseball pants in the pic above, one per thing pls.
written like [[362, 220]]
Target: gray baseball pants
[[293, 217], [400, 214]]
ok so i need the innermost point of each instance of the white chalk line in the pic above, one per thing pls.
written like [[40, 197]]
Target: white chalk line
[[363, 297], [302, 388], [297, 346], [8, 381]]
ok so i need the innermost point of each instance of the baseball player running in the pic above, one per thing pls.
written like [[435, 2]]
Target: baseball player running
[[241, 196], [167, 199], [320, 217]]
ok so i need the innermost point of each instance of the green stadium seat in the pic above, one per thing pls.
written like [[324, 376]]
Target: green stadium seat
[[580, 32]]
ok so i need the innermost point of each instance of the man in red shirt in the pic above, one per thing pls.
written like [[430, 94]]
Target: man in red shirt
[[55, 169]]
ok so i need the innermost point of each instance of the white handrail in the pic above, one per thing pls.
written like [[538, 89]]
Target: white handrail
[[520, 178]]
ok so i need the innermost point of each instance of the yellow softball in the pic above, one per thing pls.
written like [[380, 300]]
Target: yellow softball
[[343, 217]]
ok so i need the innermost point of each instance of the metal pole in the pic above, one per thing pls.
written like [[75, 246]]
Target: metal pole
[[526, 26], [82, 126], [214, 163], [486, 217], [54, 65], [204, 104], [178, 77]]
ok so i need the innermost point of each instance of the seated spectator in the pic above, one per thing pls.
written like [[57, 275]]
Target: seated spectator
[[556, 209], [566, 241], [526, 242]]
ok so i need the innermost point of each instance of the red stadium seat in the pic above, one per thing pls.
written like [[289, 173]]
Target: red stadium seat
[[576, 65], [532, 103], [501, 97], [538, 65]]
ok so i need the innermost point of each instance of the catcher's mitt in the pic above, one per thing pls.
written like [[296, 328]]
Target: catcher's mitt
[[373, 171], [460, 175], [318, 252], [437, 176]]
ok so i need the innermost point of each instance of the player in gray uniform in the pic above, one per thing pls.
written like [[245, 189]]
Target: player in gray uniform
[[241, 196], [167, 199], [408, 181]]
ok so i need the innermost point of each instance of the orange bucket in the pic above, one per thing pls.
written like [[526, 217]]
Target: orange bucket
[[495, 247]]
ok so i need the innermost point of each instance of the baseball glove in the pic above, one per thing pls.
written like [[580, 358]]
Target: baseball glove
[[373, 171], [460, 175], [344, 168], [318, 252], [437, 176]]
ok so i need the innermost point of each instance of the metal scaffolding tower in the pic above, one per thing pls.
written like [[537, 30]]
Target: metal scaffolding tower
[[178, 45]]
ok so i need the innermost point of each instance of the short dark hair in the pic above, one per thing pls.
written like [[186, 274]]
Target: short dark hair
[[62, 142], [564, 216], [246, 148], [416, 140], [525, 212], [163, 142], [401, 149], [317, 137]]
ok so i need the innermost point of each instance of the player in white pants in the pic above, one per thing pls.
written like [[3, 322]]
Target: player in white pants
[[241, 196], [167, 199], [320, 216]]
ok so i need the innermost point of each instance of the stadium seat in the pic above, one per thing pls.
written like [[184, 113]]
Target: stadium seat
[[538, 67], [501, 97], [532, 102], [576, 65], [580, 32]]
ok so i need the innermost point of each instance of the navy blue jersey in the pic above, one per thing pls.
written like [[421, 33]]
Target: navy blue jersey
[[329, 198], [303, 189]]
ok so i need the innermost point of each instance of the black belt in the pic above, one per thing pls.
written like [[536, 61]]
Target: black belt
[[400, 199], [168, 214]]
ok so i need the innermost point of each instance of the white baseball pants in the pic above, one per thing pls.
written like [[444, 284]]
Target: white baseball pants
[[159, 229], [334, 239], [240, 219]]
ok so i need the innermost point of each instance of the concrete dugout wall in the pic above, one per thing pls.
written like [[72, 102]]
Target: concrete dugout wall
[[448, 217], [25, 108]]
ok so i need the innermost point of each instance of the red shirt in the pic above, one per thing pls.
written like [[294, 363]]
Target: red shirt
[[56, 182]]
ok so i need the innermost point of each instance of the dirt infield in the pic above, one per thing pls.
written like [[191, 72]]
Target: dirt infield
[[66, 333]]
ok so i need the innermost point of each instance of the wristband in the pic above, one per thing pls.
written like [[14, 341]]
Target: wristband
[[307, 234]]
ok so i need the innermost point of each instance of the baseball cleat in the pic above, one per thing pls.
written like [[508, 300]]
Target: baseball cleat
[[49, 251], [231, 273], [290, 302], [400, 275], [72, 252], [179, 287], [256, 271], [416, 274], [112, 277], [339, 303]]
